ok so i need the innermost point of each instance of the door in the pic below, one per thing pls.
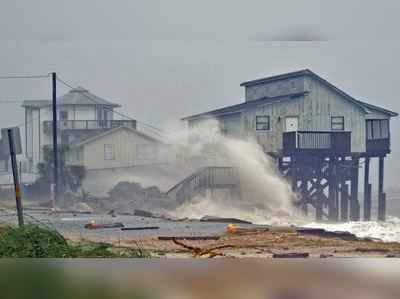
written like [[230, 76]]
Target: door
[[292, 123]]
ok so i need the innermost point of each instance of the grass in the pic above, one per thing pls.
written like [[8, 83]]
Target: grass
[[35, 241]]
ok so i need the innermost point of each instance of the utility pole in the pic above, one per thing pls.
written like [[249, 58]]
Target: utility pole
[[54, 188], [17, 187]]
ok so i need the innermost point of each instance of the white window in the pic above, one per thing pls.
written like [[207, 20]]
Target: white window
[[377, 129], [337, 123], [109, 152], [262, 123], [147, 152]]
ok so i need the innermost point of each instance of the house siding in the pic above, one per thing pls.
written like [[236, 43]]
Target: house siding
[[271, 140], [314, 109], [324, 103], [276, 88], [124, 143]]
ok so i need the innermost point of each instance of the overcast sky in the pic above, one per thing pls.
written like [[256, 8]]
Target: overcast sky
[[163, 60]]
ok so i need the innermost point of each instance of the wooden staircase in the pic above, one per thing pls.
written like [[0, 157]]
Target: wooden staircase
[[206, 178]]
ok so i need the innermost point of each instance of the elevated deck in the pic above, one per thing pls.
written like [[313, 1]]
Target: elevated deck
[[317, 142]]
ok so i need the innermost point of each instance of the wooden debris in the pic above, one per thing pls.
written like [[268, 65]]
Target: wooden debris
[[191, 238], [143, 213], [291, 255], [326, 255], [140, 228], [327, 234], [248, 231], [111, 213], [199, 252], [93, 225], [383, 250], [147, 214]]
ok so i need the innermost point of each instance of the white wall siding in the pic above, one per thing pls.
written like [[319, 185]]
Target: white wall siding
[[324, 103], [271, 140], [125, 151]]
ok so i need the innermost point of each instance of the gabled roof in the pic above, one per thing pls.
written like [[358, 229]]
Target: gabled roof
[[241, 106], [111, 131], [36, 103], [306, 72], [365, 107], [76, 96]]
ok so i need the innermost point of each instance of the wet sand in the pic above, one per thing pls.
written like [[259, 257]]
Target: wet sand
[[261, 244]]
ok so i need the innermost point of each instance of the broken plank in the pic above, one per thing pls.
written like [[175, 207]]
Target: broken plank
[[190, 238], [102, 226], [383, 250], [140, 228]]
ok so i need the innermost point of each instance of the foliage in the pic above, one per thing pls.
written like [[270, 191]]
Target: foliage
[[34, 241], [70, 176]]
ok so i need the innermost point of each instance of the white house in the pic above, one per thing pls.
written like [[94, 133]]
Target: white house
[[80, 113], [117, 148]]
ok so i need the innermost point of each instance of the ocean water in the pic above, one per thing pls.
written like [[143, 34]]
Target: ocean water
[[388, 231]]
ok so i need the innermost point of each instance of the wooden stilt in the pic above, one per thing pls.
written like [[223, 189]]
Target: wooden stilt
[[367, 191], [381, 196], [332, 196], [354, 204], [280, 164], [320, 196], [304, 189], [344, 202], [294, 174]]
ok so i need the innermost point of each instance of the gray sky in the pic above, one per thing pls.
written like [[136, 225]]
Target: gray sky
[[163, 60]]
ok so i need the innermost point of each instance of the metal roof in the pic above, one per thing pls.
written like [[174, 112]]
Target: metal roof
[[241, 106], [306, 72], [110, 131], [365, 107], [76, 96]]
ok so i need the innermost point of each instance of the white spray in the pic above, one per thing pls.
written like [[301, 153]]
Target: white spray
[[266, 196]]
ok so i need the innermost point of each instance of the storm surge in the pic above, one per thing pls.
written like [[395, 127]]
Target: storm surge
[[266, 197]]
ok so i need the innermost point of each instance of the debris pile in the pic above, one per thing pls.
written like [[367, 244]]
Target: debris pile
[[200, 252]]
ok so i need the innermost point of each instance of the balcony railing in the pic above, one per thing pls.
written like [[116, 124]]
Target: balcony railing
[[326, 142], [88, 124]]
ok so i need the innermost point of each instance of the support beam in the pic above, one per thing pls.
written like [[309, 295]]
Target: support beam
[[318, 202], [332, 196], [367, 191], [344, 202], [304, 194], [354, 204], [293, 173], [381, 196]]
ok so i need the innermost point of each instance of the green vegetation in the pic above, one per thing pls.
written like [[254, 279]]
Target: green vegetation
[[47, 280], [70, 176], [34, 241]]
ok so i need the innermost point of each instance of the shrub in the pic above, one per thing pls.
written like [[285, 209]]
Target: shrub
[[34, 241]]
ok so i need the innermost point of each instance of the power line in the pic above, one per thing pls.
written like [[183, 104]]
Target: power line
[[25, 77], [20, 101], [116, 112]]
